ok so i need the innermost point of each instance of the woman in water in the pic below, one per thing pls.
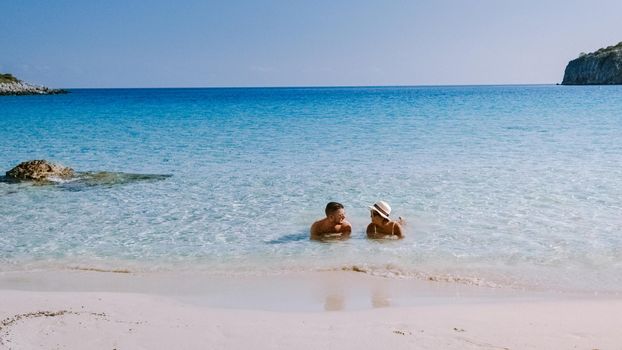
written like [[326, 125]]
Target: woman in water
[[381, 226]]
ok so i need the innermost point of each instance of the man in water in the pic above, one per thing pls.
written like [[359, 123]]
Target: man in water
[[334, 225]]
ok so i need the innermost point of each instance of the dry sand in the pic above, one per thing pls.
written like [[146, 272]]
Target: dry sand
[[395, 314]]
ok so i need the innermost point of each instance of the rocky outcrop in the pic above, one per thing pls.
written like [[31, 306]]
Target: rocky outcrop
[[21, 88], [43, 172], [602, 67], [9, 85], [39, 170]]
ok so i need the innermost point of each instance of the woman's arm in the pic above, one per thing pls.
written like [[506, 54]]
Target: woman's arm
[[371, 233], [397, 230]]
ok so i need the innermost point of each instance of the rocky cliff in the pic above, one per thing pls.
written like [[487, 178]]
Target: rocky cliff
[[9, 85], [602, 67]]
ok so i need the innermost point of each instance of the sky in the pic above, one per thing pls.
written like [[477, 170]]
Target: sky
[[203, 43]]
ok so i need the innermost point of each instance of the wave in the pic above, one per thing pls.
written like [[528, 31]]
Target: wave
[[95, 269], [392, 271]]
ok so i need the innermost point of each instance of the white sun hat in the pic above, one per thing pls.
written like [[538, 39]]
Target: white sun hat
[[382, 208]]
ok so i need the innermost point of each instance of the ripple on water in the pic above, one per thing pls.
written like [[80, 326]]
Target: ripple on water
[[489, 178]]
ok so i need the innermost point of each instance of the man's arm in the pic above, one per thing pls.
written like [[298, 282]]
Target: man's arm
[[346, 230], [314, 231]]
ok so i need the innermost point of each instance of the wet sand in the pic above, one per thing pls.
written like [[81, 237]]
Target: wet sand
[[78, 309]]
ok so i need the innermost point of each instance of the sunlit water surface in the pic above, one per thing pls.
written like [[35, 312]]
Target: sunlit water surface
[[500, 185]]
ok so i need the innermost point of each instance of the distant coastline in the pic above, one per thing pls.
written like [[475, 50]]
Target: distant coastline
[[601, 67], [312, 87], [11, 86]]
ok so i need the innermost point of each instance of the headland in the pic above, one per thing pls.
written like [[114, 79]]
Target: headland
[[601, 67], [10, 85]]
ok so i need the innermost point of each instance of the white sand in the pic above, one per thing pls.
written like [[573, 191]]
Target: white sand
[[127, 320]]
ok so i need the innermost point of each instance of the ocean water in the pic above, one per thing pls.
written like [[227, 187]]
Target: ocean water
[[500, 185]]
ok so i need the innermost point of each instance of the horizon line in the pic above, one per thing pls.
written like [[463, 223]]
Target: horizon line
[[307, 86]]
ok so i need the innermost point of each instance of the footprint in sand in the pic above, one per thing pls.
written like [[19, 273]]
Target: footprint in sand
[[8, 324]]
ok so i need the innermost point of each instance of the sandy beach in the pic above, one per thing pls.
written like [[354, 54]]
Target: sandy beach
[[332, 310], [310, 175]]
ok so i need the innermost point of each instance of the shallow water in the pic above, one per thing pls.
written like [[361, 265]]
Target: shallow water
[[500, 185]]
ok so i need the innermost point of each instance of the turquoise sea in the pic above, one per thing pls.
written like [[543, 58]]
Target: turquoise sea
[[501, 185]]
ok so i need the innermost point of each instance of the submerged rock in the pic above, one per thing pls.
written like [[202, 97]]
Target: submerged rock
[[602, 67], [92, 178], [43, 172], [40, 170]]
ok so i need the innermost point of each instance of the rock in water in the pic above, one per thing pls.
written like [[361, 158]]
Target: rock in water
[[602, 67], [39, 170]]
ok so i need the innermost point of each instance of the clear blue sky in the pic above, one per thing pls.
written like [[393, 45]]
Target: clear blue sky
[[161, 43]]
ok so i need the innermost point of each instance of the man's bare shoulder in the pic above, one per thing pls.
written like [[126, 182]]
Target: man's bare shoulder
[[316, 228], [318, 224]]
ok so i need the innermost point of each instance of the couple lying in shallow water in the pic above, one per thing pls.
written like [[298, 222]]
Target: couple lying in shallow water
[[335, 225]]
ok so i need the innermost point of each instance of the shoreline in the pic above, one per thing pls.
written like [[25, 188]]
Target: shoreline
[[582, 283], [97, 310], [296, 291]]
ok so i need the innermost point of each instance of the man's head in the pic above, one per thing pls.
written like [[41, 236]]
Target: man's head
[[335, 212]]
